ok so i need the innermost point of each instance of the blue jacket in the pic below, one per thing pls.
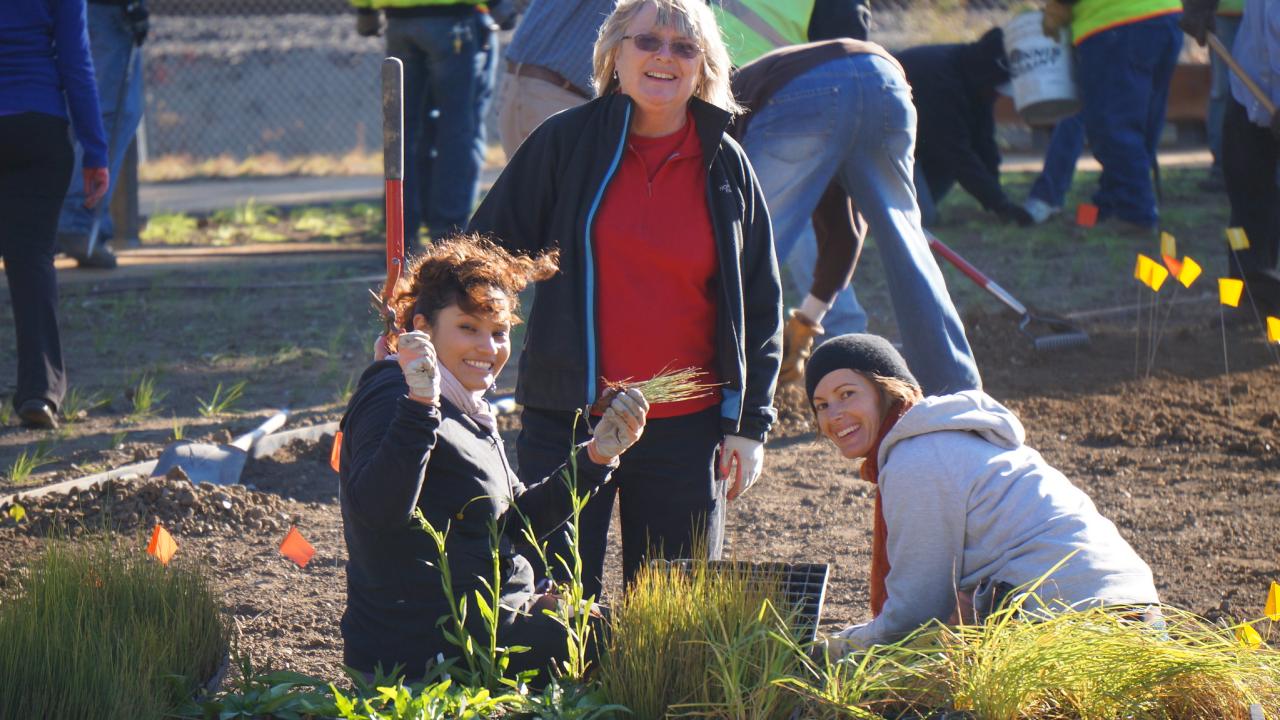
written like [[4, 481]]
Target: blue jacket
[[45, 67]]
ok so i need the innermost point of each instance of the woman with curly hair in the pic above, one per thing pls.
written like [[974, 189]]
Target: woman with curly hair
[[667, 259], [419, 435]]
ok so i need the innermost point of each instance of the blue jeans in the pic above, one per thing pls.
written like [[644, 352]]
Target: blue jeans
[[1065, 146], [845, 315], [111, 44], [449, 69], [1220, 90], [852, 119], [1124, 77]]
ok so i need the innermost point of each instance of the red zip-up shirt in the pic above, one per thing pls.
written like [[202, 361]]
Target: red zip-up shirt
[[657, 266]]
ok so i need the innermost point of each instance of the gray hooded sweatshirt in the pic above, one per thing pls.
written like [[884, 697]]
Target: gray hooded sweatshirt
[[966, 501]]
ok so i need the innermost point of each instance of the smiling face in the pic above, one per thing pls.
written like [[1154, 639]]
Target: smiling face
[[849, 411], [473, 347], [660, 82]]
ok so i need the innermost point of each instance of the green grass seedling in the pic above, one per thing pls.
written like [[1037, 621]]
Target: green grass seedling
[[220, 403], [28, 461], [101, 631], [169, 229], [144, 397], [77, 405]]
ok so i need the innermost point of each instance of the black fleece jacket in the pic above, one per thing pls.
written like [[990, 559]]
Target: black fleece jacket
[[548, 196], [397, 455], [954, 89]]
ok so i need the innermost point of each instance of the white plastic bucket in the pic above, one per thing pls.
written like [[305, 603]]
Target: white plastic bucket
[[1044, 88]]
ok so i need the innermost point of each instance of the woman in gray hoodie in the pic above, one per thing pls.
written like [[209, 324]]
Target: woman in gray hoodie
[[965, 511]]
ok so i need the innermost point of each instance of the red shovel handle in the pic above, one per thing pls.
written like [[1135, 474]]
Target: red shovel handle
[[393, 176]]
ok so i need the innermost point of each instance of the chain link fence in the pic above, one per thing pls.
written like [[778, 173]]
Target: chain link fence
[[291, 78]]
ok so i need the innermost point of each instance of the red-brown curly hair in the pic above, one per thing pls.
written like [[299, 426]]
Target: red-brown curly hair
[[465, 269]]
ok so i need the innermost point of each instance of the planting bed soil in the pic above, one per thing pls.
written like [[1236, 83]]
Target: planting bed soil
[[1185, 459]]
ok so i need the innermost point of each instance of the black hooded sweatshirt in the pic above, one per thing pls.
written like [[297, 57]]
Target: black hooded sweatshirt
[[954, 88]]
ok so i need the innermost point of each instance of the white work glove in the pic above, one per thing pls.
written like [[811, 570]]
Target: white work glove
[[744, 459], [417, 358], [840, 644], [620, 427]]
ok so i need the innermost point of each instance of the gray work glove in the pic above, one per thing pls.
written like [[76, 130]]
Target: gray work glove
[[417, 358], [621, 426], [368, 22]]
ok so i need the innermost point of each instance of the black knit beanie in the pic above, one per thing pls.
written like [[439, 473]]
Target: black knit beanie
[[867, 354]]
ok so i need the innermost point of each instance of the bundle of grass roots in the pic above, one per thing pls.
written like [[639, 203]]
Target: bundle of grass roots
[[106, 632], [667, 386]]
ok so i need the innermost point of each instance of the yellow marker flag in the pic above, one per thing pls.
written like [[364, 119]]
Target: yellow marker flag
[[1149, 272], [1168, 245], [1189, 272], [1229, 291], [1273, 602], [17, 512], [1237, 239], [1273, 329], [1248, 637]]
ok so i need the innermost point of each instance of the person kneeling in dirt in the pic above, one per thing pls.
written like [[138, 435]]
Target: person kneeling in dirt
[[419, 435], [966, 513]]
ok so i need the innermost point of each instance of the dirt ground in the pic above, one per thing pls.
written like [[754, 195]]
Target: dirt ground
[[1185, 459]]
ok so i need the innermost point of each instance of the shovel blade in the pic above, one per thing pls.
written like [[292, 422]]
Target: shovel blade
[[217, 464]]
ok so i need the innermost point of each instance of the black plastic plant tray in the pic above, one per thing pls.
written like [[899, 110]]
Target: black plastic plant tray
[[804, 585]]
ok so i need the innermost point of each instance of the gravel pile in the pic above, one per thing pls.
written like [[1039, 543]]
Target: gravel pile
[[173, 501]]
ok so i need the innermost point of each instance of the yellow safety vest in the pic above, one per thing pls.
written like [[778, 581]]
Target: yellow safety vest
[[379, 4], [754, 27], [1090, 17]]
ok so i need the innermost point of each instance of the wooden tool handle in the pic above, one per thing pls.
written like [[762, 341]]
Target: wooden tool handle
[[1223, 53]]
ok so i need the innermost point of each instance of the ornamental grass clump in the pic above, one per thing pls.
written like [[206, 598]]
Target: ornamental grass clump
[[106, 632], [698, 642], [1095, 664], [667, 386]]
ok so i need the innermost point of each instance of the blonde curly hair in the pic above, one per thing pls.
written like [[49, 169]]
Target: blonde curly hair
[[692, 18], [465, 269]]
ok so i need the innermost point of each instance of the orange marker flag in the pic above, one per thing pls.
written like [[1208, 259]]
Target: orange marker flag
[[1188, 272], [1173, 263], [162, 545], [335, 453], [1237, 239], [1273, 602], [1086, 215], [1273, 329], [296, 548], [1229, 291]]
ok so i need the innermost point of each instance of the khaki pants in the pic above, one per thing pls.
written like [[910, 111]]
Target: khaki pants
[[523, 103]]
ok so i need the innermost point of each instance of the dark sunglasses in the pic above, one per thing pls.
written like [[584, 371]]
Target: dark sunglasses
[[647, 42]]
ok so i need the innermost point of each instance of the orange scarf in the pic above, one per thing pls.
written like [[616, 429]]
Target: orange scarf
[[880, 531]]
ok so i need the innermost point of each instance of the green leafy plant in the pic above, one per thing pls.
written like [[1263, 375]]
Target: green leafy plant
[[143, 397], [219, 403], [28, 461], [283, 694], [169, 229], [178, 430], [77, 405], [248, 212], [6, 411], [117, 438], [103, 631]]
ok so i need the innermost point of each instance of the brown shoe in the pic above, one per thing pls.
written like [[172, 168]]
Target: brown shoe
[[797, 343]]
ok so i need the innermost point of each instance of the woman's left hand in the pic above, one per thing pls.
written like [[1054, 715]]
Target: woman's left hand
[[747, 456]]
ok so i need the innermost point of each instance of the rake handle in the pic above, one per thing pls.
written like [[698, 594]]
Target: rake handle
[[1225, 55], [393, 178], [975, 274]]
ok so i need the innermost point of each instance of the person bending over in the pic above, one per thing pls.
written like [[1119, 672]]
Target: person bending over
[[419, 435], [965, 511]]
